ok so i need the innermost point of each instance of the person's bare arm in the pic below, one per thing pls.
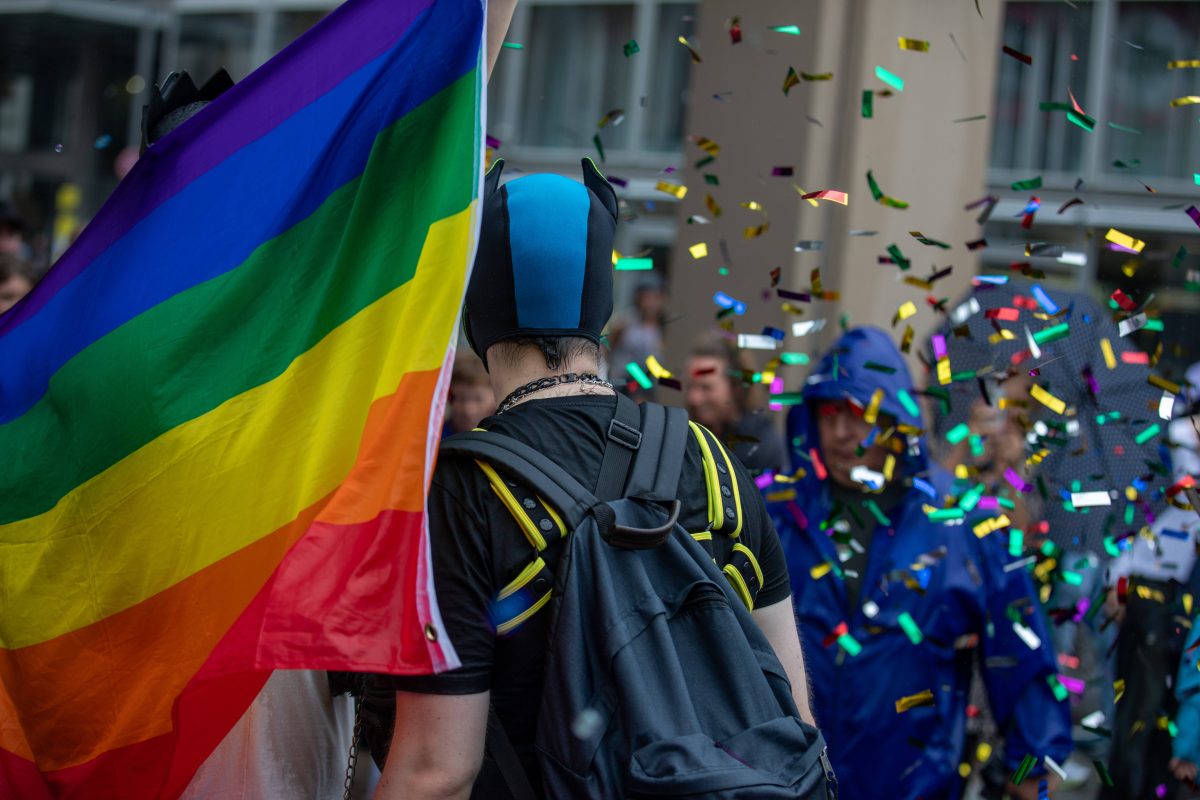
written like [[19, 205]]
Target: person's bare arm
[[778, 624], [437, 746], [499, 17]]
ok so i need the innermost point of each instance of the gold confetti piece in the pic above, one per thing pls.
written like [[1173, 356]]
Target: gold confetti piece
[[790, 80], [889, 466], [907, 340], [1110, 359], [943, 371], [690, 49], [912, 701], [992, 525], [805, 196], [905, 311], [820, 570], [614, 117], [917, 282], [818, 76], [1048, 400], [616, 256], [1131, 494], [815, 278], [872, 412], [711, 204], [657, 369], [1004, 334], [708, 146], [1124, 240], [1193, 64], [1189, 100], [757, 230], [919, 45], [983, 752], [1164, 384], [752, 205], [674, 189], [698, 251]]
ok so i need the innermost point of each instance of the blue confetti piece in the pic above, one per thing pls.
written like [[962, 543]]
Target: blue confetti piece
[[995, 280], [924, 486], [1048, 305]]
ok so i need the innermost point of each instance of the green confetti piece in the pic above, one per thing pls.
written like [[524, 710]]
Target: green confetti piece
[[971, 498], [891, 79], [513, 46], [1073, 578], [910, 627], [791, 359], [1196, 177], [1180, 255], [946, 514], [877, 512], [1153, 325], [792, 30], [1102, 771], [909, 404], [876, 192], [634, 264], [1048, 548], [1148, 434], [1032, 183], [787, 399], [1172, 729], [898, 256], [704, 162], [1060, 692], [1027, 763], [976, 445], [1004, 502], [599, 146], [635, 371], [1016, 542], [712, 180], [1082, 120], [723, 271], [868, 107], [849, 644], [1052, 334], [1054, 105], [884, 368], [631, 47], [1110, 547], [1123, 128], [1129, 514], [958, 433]]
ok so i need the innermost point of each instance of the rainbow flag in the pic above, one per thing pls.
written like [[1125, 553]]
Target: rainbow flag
[[218, 412]]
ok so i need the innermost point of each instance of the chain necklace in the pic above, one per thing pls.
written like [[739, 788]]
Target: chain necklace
[[541, 384]]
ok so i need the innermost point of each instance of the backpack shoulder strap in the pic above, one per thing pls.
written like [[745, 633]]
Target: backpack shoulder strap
[[659, 461], [724, 496]]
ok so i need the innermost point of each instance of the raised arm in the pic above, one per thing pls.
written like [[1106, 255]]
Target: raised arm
[[499, 16]]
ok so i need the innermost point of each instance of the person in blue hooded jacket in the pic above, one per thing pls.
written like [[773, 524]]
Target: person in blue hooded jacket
[[892, 604]]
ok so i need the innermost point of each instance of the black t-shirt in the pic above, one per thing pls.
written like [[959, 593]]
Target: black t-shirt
[[477, 548]]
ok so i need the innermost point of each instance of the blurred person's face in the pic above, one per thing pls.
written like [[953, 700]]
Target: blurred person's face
[[709, 393], [841, 430], [10, 240], [650, 303], [13, 290], [470, 403]]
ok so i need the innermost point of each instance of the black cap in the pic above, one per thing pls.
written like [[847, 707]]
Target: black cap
[[177, 101], [544, 264]]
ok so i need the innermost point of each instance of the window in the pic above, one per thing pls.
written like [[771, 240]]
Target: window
[[208, 42]]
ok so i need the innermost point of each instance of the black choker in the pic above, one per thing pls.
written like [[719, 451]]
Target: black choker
[[521, 392]]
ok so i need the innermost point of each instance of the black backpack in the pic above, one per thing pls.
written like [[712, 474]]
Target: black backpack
[[658, 683]]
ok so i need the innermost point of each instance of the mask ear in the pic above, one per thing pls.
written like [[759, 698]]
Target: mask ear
[[491, 181], [600, 187]]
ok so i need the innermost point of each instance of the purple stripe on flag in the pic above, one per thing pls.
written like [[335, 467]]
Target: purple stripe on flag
[[317, 62]]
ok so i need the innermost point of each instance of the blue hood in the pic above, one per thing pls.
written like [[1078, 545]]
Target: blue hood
[[853, 379]]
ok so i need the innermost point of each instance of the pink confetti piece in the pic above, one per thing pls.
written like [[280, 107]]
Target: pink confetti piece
[[939, 345], [765, 480], [1072, 685], [1016, 481]]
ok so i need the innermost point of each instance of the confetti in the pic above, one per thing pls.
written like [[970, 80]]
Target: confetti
[[614, 117], [910, 627], [905, 311], [753, 341], [691, 50], [1030, 638], [699, 251], [657, 369], [1124, 240], [871, 414], [1106, 348], [735, 30], [1148, 434], [790, 80], [920, 45], [726, 302], [1019, 56], [513, 46], [992, 525], [1043, 299], [909, 404], [631, 47], [674, 189], [791, 30], [1053, 333], [1090, 499], [1194, 213], [868, 104], [819, 571], [832, 195], [807, 327], [808, 245], [1048, 400], [1185, 101], [925, 240], [711, 204], [1192, 64], [757, 230], [819, 76], [912, 701], [635, 371], [1166, 405], [1027, 185], [634, 264], [1131, 325], [782, 171], [958, 433], [599, 146], [891, 79], [975, 118]]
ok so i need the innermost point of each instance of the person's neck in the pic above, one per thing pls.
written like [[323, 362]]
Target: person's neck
[[506, 378]]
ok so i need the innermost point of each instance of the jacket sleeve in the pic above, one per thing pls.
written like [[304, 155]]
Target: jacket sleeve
[[1017, 675], [1187, 689]]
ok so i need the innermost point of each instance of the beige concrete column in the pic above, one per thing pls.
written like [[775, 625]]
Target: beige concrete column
[[912, 144]]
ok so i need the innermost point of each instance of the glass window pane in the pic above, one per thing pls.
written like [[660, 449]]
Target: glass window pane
[[208, 42], [577, 73], [666, 100], [1149, 35], [1056, 38]]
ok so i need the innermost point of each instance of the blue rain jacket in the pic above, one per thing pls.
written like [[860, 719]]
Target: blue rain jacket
[[960, 592], [1187, 689]]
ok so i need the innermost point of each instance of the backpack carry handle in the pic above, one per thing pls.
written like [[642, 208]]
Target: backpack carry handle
[[635, 538]]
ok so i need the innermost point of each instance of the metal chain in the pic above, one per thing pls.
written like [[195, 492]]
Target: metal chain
[[521, 392], [352, 761]]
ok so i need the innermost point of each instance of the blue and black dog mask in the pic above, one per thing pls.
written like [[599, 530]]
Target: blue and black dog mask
[[544, 264]]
